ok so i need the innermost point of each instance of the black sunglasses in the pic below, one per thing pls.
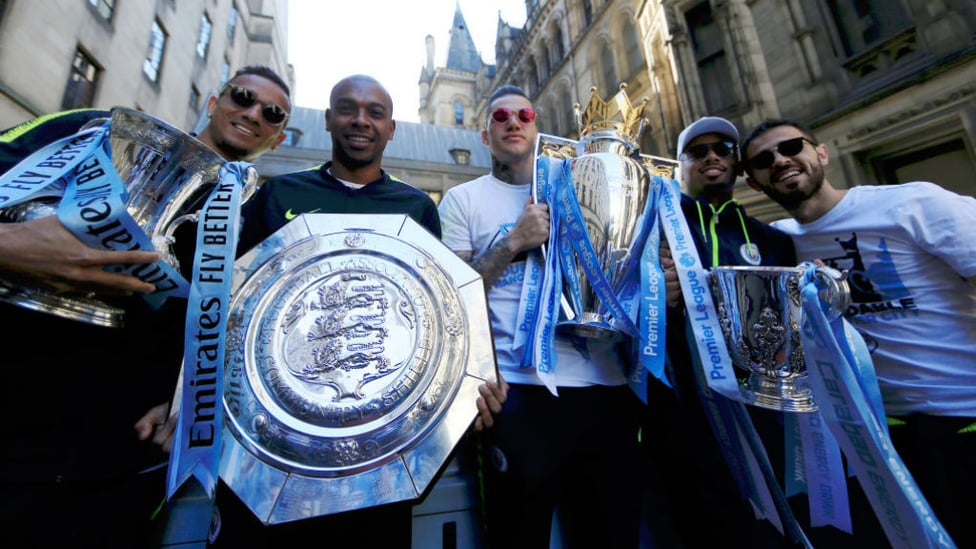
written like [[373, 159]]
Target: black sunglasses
[[245, 98], [502, 115], [723, 149], [787, 147]]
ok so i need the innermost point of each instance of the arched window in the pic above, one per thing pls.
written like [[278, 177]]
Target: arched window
[[610, 79], [532, 79], [713, 66], [556, 48], [458, 113], [587, 6], [543, 67], [635, 57]]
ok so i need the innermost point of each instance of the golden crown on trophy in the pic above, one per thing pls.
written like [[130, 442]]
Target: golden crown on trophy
[[617, 114]]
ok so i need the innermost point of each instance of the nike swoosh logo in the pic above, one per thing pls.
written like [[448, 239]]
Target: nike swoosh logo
[[289, 215]]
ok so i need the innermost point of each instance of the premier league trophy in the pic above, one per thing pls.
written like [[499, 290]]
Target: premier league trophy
[[611, 182], [759, 309], [167, 176]]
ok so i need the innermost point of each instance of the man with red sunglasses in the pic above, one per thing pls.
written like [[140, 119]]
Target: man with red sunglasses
[[75, 472], [911, 268], [575, 453]]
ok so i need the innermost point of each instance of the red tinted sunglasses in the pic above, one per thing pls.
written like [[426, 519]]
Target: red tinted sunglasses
[[502, 115]]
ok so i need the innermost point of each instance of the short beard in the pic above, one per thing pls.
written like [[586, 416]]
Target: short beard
[[792, 200]]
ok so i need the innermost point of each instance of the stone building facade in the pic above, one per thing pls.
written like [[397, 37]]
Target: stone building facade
[[888, 85], [162, 57]]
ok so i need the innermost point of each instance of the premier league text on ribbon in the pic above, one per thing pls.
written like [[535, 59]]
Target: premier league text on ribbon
[[653, 313], [682, 250], [38, 175], [216, 232]]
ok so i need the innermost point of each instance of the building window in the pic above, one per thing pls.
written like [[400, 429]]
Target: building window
[[224, 72], [80, 89], [557, 46], [154, 57], [713, 67], [532, 77], [294, 137], [3, 8], [232, 23], [610, 80], [587, 13], [864, 23], [194, 98], [635, 57], [543, 67], [458, 113], [105, 8], [203, 41]]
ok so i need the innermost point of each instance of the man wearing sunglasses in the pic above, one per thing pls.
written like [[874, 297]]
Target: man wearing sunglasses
[[576, 452], [694, 470], [360, 122], [248, 117], [75, 462], [911, 264]]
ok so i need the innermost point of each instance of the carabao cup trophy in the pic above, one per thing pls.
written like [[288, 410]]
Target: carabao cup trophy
[[759, 309], [611, 180], [167, 175]]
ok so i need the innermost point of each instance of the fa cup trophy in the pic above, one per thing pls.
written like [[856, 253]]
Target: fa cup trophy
[[759, 310], [167, 175], [611, 182]]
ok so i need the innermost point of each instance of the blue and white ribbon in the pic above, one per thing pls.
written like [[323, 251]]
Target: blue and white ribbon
[[40, 174], [79, 170], [636, 307], [846, 391], [718, 386], [196, 442]]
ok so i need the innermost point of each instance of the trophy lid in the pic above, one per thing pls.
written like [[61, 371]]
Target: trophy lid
[[617, 114]]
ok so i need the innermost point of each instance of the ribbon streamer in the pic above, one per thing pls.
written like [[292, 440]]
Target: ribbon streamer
[[846, 391]]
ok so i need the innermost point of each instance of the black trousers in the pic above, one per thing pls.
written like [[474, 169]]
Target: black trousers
[[578, 454]]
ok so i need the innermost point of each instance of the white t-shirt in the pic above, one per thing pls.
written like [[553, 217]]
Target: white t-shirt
[[474, 216], [909, 249]]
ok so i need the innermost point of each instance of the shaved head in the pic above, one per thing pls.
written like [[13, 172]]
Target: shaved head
[[361, 80]]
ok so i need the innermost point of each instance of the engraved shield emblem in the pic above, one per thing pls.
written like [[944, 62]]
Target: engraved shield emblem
[[355, 348]]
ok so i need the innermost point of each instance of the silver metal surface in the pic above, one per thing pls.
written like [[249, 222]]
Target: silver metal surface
[[355, 348], [612, 184], [759, 309], [168, 175]]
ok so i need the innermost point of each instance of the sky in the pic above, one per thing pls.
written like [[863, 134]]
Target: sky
[[331, 39]]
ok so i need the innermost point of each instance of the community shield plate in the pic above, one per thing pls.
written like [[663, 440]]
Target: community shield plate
[[355, 348]]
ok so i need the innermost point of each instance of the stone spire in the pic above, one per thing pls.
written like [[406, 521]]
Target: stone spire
[[461, 53]]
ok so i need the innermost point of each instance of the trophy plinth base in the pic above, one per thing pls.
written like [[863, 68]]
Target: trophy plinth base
[[589, 326], [80, 308], [784, 395]]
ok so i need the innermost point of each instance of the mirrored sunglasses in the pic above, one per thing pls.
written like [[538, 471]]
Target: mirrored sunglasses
[[245, 98], [787, 147], [502, 115], [723, 149]]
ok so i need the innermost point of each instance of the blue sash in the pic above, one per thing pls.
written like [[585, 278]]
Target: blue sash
[[635, 308], [718, 387], [79, 170], [196, 442], [845, 387]]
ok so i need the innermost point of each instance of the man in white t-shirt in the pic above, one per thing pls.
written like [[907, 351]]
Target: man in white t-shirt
[[576, 452], [911, 263]]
